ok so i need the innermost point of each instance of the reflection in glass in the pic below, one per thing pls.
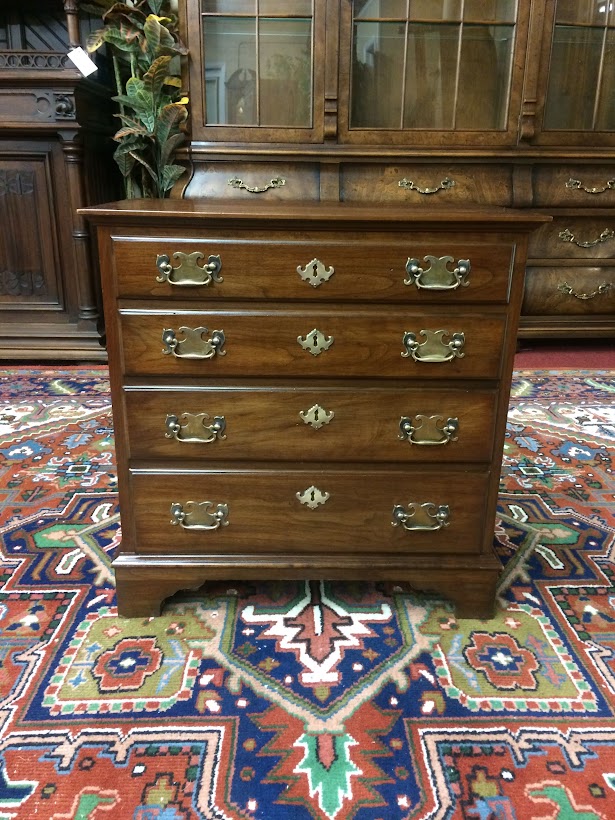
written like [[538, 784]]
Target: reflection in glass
[[582, 12], [490, 11], [605, 119], [435, 10], [258, 71], [431, 75], [573, 78], [387, 9]]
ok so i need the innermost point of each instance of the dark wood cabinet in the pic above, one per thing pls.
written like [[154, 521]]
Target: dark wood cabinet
[[55, 157], [489, 102]]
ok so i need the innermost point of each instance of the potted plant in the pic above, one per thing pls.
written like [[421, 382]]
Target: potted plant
[[142, 36]]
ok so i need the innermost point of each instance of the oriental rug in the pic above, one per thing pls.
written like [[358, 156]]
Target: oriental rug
[[306, 700]]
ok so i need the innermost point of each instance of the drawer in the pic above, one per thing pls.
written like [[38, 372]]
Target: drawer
[[425, 183], [309, 511], [319, 269], [570, 186], [548, 291], [256, 180], [302, 423], [315, 343], [575, 238]]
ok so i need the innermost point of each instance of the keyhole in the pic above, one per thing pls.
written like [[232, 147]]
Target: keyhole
[[316, 414], [314, 270], [313, 495], [315, 340]]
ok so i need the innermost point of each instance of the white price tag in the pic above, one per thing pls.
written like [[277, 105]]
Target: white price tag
[[82, 61]]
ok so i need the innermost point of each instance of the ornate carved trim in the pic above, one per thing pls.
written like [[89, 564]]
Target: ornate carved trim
[[42, 61], [24, 283], [16, 182]]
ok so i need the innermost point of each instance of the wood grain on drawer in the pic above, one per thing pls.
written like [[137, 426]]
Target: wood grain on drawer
[[575, 238], [569, 291], [449, 183], [329, 271], [265, 513], [569, 186], [278, 341], [302, 423], [255, 181]]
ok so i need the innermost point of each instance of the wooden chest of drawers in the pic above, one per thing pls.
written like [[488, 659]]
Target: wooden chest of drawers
[[309, 391]]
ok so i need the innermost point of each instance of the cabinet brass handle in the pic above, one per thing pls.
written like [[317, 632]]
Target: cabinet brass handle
[[428, 430], [421, 517], [567, 236], [192, 429], [564, 287], [193, 345], [438, 276], [434, 348], [276, 182], [189, 272], [197, 515], [409, 185], [577, 185]]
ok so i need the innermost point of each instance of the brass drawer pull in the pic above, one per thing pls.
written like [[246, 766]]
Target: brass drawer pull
[[421, 517], [564, 287], [428, 430], [434, 348], [276, 182], [191, 428], [312, 497], [196, 515], [189, 272], [193, 345], [438, 276], [315, 273], [316, 416], [567, 236], [315, 342], [409, 185], [577, 185]]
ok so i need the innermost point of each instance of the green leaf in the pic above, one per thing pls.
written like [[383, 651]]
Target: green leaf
[[151, 30], [154, 78], [125, 162], [170, 146], [170, 175], [155, 5], [130, 130], [168, 119], [95, 40], [145, 164]]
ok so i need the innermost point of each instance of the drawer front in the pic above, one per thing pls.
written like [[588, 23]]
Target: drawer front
[[452, 271], [575, 238], [252, 181], [312, 343], [437, 184], [570, 186], [309, 511], [311, 424], [569, 291]]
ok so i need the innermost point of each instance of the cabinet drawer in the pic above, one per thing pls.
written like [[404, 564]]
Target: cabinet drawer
[[312, 343], [547, 291], [311, 424], [435, 184], [342, 510], [569, 186], [315, 270], [575, 238], [254, 181]]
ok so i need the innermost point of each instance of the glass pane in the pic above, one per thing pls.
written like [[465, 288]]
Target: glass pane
[[605, 120], [484, 77], [285, 8], [229, 6], [486, 11], [573, 78], [285, 59], [582, 11], [430, 76], [230, 71], [380, 8], [435, 10], [377, 72]]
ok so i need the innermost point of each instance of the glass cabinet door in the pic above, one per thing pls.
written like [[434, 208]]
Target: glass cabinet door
[[430, 71], [579, 73], [260, 71]]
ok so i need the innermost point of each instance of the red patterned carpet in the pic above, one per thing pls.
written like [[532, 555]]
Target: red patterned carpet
[[320, 700]]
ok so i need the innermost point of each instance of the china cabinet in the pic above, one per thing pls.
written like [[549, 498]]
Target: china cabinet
[[408, 102], [55, 156]]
